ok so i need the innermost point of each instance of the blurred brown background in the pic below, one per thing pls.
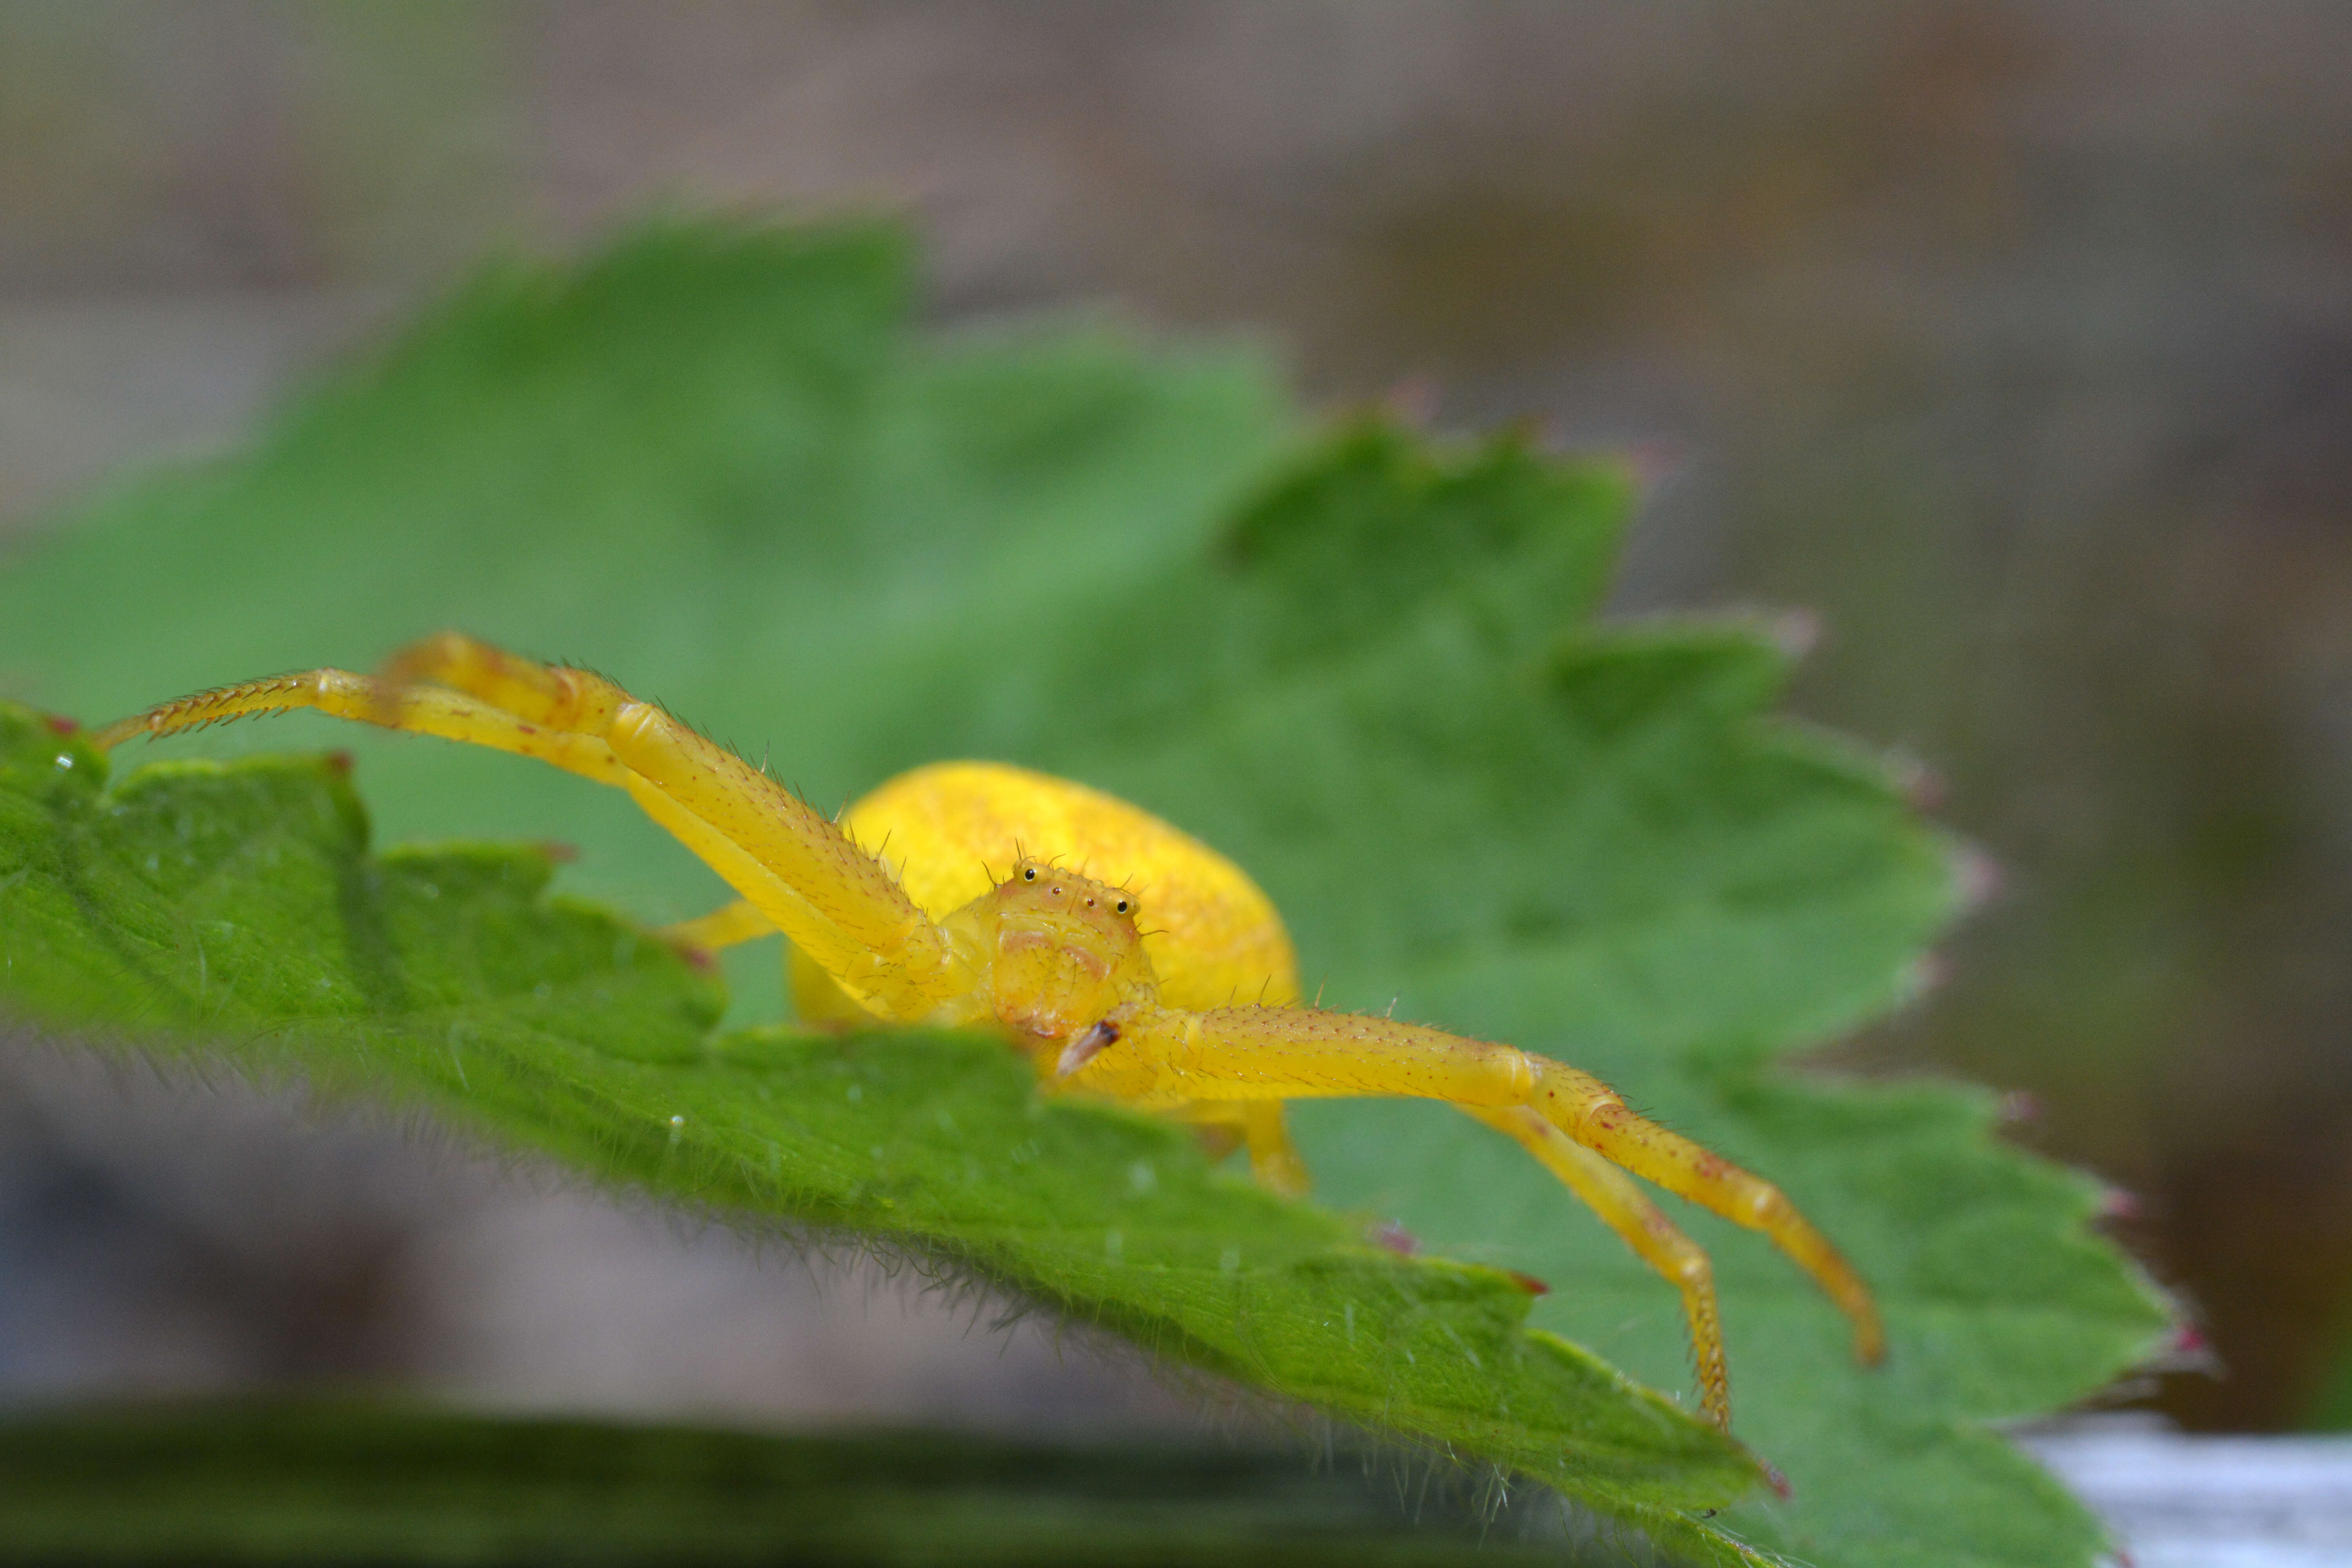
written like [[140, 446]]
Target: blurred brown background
[[2013, 341]]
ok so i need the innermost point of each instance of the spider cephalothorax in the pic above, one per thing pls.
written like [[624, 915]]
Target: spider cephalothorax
[[1054, 952], [1196, 1017]]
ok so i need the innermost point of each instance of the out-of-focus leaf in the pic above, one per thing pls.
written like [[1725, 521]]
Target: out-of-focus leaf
[[310, 1483]]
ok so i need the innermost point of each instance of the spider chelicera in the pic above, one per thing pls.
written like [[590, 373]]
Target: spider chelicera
[[1052, 956]]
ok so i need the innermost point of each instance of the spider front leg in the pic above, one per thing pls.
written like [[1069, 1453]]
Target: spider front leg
[[789, 862], [804, 874], [451, 715], [1161, 1056]]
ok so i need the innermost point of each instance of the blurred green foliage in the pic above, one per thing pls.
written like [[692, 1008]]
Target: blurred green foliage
[[715, 464], [367, 1483]]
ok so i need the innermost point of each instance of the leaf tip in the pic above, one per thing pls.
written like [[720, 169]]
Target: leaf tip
[[1412, 401], [1796, 633], [1928, 973], [2117, 1204], [1652, 462], [1921, 786], [1976, 878]]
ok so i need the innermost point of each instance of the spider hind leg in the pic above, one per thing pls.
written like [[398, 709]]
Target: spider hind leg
[[1286, 1053], [1626, 1209]]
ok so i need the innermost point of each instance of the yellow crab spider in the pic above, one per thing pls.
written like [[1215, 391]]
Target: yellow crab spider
[[1053, 956]]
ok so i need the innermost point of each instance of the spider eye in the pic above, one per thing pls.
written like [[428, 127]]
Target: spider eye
[[1028, 873], [1123, 905]]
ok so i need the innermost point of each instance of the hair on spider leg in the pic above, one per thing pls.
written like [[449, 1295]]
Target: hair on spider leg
[[1644, 1112], [897, 874]]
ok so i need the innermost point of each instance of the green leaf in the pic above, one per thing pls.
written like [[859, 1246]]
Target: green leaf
[[715, 464], [233, 907], [311, 1483]]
